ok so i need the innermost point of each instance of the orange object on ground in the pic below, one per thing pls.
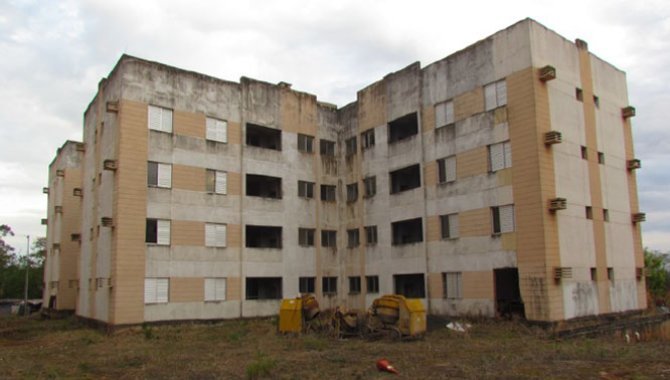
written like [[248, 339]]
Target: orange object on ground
[[384, 365]]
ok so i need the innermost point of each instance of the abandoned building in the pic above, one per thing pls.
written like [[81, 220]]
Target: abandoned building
[[500, 179]]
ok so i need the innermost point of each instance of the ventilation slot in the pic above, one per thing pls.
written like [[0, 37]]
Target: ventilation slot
[[553, 137], [44, 221], [77, 192], [639, 273], [562, 272], [60, 173], [628, 112], [58, 209], [107, 221], [634, 164], [81, 147], [639, 217], [109, 165], [558, 204], [113, 106], [45, 190], [547, 73]]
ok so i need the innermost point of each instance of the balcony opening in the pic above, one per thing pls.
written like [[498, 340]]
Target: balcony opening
[[403, 127], [263, 288], [410, 285], [263, 186], [407, 231], [263, 137], [263, 237], [405, 179]]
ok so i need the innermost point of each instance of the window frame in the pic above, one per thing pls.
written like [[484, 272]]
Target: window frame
[[305, 143], [497, 219], [352, 192], [216, 181], [449, 226], [446, 169], [165, 241], [372, 284], [368, 139], [445, 108], [505, 153], [215, 285], [351, 146], [454, 278], [162, 113], [216, 235], [157, 296], [163, 175], [327, 148], [495, 92], [306, 189], [355, 284], [306, 236], [216, 130], [329, 238], [371, 232], [305, 284], [329, 285], [353, 238], [328, 193], [370, 185]]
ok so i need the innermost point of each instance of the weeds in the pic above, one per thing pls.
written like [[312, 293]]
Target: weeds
[[148, 332], [261, 367]]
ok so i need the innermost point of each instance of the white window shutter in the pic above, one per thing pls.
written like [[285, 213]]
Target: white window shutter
[[450, 166], [221, 235], [155, 118], [149, 290], [453, 225], [501, 93], [496, 157], [163, 227], [507, 147], [210, 289], [221, 186], [440, 115], [166, 120], [222, 131], [210, 235], [506, 218], [210, 133], [490, 96], [162, 290], [449, 112], [221, 289], [164, 175]]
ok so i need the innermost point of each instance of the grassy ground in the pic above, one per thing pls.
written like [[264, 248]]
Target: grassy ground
[[35, 348]]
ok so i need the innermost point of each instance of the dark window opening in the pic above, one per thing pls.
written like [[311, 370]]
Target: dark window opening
[[152, 231], [372, 284], [579, 94], [585, 153], [328, 193], [327, 148], [405, 179], [263, 137], [351, 146], [305, 189], [352, 192], [329, 285], [601, 158], [305, 143], [368, 139], [329, 238], [371, 235], [354, 285], [263, 186], [306, 285], [596, 101], [306, 237], [410, 285], [370, 184], [589, 212], [403, 127], [263, 237], [594, 274], [353, 238], [407, 231], [152, 174], [263, 288]]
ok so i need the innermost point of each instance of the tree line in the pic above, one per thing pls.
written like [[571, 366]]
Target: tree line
[[13, 267]]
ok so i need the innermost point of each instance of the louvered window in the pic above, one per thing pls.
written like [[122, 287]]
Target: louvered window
[[453, 285], [215, 289], [217, 182], [217, 130], [156, 290], [503, 219], [500, 156], [495, 95], [159, 175], [444, 114], [446, 168], [215, 235], [160, 119], [158, 231], [449, 226]]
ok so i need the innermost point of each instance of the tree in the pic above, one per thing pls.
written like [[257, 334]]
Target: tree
[[6, 251], [13, 268], [654, 263]]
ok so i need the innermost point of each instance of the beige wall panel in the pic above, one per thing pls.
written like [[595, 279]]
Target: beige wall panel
[[130, 189], [508, 241], [435, 288], [372, 106], [298, 112], [468, 104], [184, 232], [475, 222], [233, 289], [428, 119], [504, 177], [234, 182], [187, 289], [188, 178], [234, 133], [233, 235], [472, 162], [533, 182], [189, 124], [478, 285], [430, 173], [433, 228], [595, 184]]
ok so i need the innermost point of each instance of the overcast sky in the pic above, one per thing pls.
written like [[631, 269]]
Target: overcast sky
[[55, 52]]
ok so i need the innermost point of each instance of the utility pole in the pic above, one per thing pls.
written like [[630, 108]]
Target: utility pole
[[25, 288]]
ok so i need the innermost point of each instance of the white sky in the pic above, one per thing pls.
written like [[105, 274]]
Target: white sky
[[54, 53]]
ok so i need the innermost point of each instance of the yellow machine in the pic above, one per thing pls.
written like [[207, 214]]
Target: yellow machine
[[407, 317], [295, 313]]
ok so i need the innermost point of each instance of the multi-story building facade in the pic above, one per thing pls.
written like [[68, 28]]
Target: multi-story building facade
[[498, 179]]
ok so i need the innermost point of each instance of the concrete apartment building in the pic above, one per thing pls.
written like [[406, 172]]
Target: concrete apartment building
[[499, 179]]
